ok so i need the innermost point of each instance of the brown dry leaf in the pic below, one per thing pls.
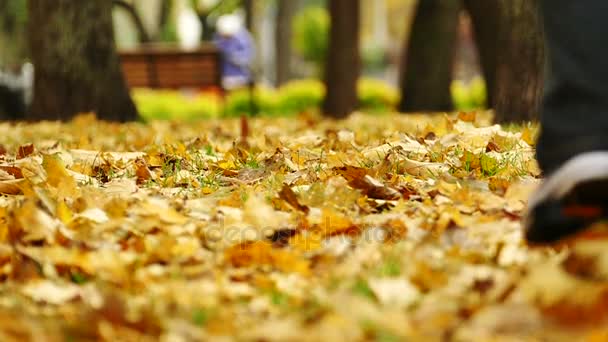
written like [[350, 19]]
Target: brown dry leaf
[[35, 223], [97, 158], [142, 171], [351, 173], [529, 135], [121, 187], [373, 188], [10, 187], [160, 209], [287, 195], [49, 292], [518, 193], [423, 169], [12, 170], [25, 150], [492, 147], [467, 116], [263, 218], [447, 218], [470, 160], [378, 153], [59, 178], [333, 222], [396, 230], [498, 185], [251, 254]]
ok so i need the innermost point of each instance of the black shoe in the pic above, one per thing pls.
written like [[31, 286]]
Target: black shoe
[[572, 199]]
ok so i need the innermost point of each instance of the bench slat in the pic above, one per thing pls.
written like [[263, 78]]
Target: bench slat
[[166, 67]]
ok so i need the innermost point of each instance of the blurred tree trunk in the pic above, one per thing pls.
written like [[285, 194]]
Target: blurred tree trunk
[[164, 14], [283, 32], [77, 67], [426, 66], [485, 16], [511, 47], [519, 74], [248, 6], [343, 62]]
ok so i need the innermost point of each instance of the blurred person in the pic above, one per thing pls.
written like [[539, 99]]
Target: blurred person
[[16, 84], [573, 146], [237, 47]]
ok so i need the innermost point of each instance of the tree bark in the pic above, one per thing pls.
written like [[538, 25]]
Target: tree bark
[[283, 32], [248, 6], [426, 69], [520, 62], [343, 60], [203, 17], [485, 16], [163, 16], [77, 67]]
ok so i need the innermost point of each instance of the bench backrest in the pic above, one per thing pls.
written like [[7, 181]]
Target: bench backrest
[[162, 66]]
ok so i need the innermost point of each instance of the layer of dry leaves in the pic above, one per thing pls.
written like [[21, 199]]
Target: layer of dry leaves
[[297, 229]]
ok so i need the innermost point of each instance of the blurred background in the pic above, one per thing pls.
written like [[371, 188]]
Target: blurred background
[[176, 56]]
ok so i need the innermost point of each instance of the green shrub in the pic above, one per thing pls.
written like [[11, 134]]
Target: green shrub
[[469, 96], [376, 95], [238, 102], [479, 92], [169, 104], [300, 95], [311, 35], [292, 98]]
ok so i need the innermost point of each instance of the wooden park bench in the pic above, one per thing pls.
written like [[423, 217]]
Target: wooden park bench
[[162, 66], [159, 66]]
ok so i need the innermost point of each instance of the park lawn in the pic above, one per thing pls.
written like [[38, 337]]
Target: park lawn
[[385, 227]]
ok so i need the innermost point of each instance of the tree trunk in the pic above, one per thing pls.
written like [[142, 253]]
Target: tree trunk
[[520, 62], [285, 12], [77, 67], [163, 17], [426, 69], [485, 16], [343, 62], [248, 6]]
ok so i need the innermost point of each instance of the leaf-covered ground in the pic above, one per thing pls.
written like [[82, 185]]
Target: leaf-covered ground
[[298, 229]]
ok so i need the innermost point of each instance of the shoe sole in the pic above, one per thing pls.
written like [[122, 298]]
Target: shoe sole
[[571, 200]]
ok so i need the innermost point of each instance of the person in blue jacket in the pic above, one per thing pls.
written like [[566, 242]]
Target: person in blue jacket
[[237, 47]]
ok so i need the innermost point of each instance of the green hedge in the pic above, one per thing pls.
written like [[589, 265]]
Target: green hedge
[[294, 97], [469, 96], [300, 96], [168, 104], [376, 95], [238, 102]]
